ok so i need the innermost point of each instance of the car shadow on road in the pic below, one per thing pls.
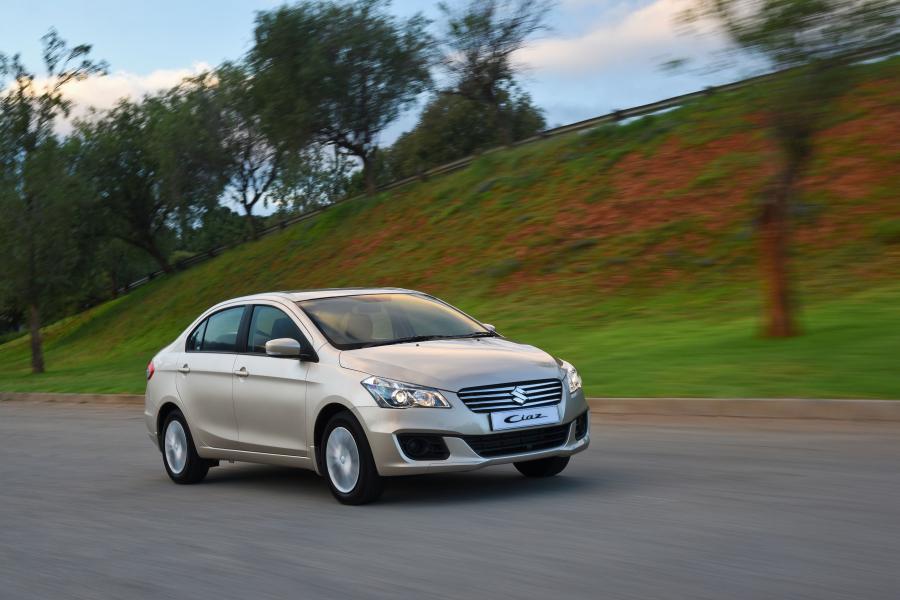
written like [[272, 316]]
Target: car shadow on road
[[268, 478], [496, 484]]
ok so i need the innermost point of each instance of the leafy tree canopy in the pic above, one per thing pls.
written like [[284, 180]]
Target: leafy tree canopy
[[452, 127], [338, 72]]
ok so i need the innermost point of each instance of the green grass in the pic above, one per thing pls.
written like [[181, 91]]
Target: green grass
[[693, 351], [840, 355], [627, 250]]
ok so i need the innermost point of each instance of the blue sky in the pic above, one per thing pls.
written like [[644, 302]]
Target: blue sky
[[599, 55]]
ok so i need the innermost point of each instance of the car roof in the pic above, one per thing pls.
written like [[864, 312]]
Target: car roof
[[298, 295], [312, 294]]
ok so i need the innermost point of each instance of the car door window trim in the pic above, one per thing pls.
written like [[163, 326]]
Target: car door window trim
[[304, 341], [204, 323]]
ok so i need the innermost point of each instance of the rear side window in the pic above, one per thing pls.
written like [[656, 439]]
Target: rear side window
[[196, 338], [269, 323], [221, 331]]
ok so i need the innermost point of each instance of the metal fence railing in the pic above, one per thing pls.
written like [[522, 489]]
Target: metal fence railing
[[612, 117]]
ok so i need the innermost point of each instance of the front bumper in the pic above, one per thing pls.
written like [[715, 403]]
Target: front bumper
[[384, 425]]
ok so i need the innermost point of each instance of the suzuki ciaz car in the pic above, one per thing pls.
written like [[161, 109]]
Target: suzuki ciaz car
[[359, 384]]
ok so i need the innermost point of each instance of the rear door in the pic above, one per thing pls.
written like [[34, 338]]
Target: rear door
[[205, 378], [270, 392]]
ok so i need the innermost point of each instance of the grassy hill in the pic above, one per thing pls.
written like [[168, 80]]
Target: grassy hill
[[628, 250]]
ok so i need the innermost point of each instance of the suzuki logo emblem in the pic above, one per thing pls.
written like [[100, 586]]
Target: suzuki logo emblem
[[519, 396]]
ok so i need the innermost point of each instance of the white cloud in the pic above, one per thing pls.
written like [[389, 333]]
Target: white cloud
[[644, 34], [102, 92]]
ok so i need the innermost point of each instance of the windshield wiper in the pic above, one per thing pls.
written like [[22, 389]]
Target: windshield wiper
[[406, 340], [426, 338], [478, 334]]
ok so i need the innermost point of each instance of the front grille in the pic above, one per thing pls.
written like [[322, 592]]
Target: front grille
[[507, 396], [518, 442]]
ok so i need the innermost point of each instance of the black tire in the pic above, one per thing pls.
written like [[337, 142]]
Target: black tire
[[369, 484], [543, 467], [195, 468]]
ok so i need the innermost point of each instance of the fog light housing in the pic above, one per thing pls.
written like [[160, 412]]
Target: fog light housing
[[581, 425], [419, 446]]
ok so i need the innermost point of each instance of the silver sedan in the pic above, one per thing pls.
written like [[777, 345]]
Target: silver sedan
[[359, 384]]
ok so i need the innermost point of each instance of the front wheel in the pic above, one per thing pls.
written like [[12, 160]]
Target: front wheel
[[347, 462], [543, 467], [180, 457]]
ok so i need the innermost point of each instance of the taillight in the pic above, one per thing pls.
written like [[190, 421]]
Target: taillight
[[150, 370]]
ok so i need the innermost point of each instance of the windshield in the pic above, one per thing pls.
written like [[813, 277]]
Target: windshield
[[378, 319]]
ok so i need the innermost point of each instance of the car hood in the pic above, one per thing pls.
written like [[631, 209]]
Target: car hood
[[454, 364]]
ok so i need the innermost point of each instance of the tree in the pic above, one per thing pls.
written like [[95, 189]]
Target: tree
[[452, 127], [35, 178], [154, 165], [184, 139], [114, 265], [117, 160], [253, 163], [339, 73], [811, 43], [312, 179], [478, 45], [259, 169], [217, 226]]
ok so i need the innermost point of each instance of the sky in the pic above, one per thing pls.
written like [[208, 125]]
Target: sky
[[598, 56]]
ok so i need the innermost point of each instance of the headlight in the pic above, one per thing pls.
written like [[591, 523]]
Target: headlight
[[396, 394], [572, 377]]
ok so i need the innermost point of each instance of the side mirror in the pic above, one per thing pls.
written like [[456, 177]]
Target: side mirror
[[490, 327], [289, 348], [283, 347]]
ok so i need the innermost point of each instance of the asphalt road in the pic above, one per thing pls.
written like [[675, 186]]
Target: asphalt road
[[668, 509]]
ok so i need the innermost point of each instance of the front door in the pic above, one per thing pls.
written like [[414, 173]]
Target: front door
[[270, 392]]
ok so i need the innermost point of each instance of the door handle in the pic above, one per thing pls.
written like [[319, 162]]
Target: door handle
[[242, 372], [184, 369]]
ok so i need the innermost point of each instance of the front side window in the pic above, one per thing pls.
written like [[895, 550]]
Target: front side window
[[379, 319], [222, 331], [269, 323]]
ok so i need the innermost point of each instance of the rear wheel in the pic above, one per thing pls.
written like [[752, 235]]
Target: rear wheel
[[179, 454], [543, 467], [347, 463]]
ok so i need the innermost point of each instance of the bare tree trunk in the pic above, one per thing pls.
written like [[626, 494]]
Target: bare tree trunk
[[252, 225], [773, 252], [369, 174], [158, 256], [37, 343], [148, 245]]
